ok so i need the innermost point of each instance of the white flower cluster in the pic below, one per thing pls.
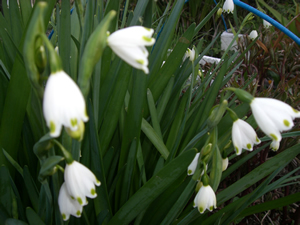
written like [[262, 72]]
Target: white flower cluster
[[272, 116], [79, 183]]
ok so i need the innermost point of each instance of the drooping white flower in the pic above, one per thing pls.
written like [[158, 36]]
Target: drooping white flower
[[63, 104], [266, 24], [80, 182], [192, 167], [190, 53], [224, 164], [67, 205], [129, 44], [253, 34], [228, 6], [243, 136], [205, 199], [273, 116]]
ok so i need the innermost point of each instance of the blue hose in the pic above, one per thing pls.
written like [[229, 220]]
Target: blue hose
[[269, 19]]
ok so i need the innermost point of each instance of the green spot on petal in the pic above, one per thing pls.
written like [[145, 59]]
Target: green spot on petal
[[296, 111], [52, 127], [189, 171], [257, 140], [140, 61], [97, 181], [249, 146], [274, 137], [79, 200], [211, 208], [147, 39], [78, 213], [237, 150], [64, 216], [148, 29], [286, 123], [93, 192], [201, 210], [73, 122]]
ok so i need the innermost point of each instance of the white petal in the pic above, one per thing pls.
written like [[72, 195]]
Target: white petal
[[228, 6], [80, 182], [136, 56], [132, 36], [253, 34], [63, 102], [266, 24], [67, 205], [192, 167], [224, 164], [206, 199], [243, 136]]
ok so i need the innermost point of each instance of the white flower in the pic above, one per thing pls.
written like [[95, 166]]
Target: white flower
[[273, 116], [224, 164], [192, 167], [253, 34], [266, 24], [228, 6], [190, 53], [80, 182], [243, 136], [67, 205], [205, 199], [63, 104], [129, 44]]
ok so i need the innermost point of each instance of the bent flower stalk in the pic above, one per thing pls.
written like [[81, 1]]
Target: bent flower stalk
[[80, 182], [63, 104], [243, 136], [129, 44], [273, 116]]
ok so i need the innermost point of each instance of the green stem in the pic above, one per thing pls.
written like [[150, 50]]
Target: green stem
[[67, 154]]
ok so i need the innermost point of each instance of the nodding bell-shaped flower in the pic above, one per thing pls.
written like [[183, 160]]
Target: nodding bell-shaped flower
[[67, 205], [190, 53], [228, 6], [80, 182], [253, 34], [192, 167], [266, 24], [224, 163], [64, 105], [129, 44], [205, 199], [273, 116], [243, 136]]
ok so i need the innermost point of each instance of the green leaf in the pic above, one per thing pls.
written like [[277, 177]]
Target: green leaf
[[14, 222], [5, 191], [48, 167], [153, 188], [13, 162], [92, 53], [153, 113], [31, 188], [33, 218], [155, 139]]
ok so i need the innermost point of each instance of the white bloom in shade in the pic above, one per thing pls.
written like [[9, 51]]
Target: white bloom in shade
[[191, 54], [228, 6], [63, 104], [266, 24], [253, 34], [80, 182], [205, 199], [243, 136], [224, 164], [129, 44], [67, 205], [273, 116], [192, 167]]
